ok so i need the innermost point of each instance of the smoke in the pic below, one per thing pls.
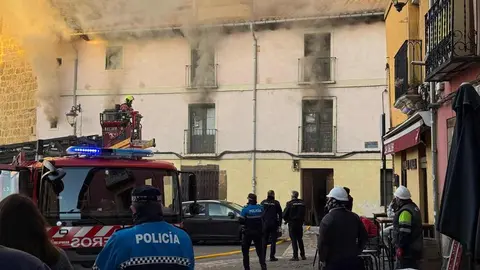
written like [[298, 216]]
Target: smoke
[[40, 30]]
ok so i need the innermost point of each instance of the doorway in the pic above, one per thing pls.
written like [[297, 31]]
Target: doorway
[[315, 185]]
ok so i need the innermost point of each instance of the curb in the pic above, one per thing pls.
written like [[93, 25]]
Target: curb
[[223, 254]]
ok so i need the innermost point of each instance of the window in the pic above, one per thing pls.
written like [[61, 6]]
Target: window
[[59, 61], [401, 71], [186, 209], [202, 132], [8, 183], [218, 210], [94, 193], [317, 61], [317, 126], [114, 58], [53, 124], [450, 130], [202, 68], [389, 186]]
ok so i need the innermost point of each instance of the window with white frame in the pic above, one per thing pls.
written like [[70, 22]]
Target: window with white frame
[[114, 58], [317, 126]]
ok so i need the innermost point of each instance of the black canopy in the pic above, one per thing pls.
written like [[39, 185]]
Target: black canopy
[[459, 211]]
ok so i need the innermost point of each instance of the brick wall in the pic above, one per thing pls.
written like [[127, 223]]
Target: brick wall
[[17, 94]]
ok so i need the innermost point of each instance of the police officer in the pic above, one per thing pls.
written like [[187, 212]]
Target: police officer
[[272, 218], [342, 235], [407, 230], [294, 216], [252, 219], [151, 243]]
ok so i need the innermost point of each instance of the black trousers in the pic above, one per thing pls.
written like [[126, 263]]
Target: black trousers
[[402, 263], [347, 264], [257, 240], [296, 235], [271, 232]]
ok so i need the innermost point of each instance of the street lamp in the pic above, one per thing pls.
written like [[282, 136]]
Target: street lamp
[[398, 4], [72, 115]]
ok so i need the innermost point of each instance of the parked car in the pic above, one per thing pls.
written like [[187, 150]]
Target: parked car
[[217, 221]]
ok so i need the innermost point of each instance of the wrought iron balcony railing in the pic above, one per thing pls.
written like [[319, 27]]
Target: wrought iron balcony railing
[[407, 75], [200, 141], [312, 69], [451, 39], [201, 77]]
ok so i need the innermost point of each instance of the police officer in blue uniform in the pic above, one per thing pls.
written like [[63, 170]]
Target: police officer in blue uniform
[[252, 219], [151, 243]]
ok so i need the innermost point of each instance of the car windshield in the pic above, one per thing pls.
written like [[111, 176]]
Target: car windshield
[[8, 183], [235, 206], [93, 193]]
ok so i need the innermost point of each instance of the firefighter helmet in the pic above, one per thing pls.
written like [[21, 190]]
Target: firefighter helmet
[[129, 99]]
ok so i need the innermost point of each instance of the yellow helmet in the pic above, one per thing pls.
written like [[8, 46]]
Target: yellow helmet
[[129, 99]]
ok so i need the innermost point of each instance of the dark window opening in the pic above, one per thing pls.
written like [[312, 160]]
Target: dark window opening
[[114, 58], [317, 126], [388, 196], [317, 61], [59, 61], [53, 124], [202, 67]]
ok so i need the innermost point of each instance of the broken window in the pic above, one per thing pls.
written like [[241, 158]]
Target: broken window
[[317, 61], [114, 58], [202, 68]]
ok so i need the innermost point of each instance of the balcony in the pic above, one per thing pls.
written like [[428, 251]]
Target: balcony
[[451, 39], [313, 69], [200, 141], [198, 77]]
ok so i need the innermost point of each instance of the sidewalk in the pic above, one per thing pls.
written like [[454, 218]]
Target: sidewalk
[[310, 243]]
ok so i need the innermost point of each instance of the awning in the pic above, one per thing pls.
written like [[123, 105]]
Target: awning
[[407, 134]]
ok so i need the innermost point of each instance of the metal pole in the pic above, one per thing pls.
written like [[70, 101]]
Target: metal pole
[[254, 118], [75, 82], [384, 157], [434, 120]]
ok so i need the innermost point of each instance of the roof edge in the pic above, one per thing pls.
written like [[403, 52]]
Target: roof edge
[[421, 115]]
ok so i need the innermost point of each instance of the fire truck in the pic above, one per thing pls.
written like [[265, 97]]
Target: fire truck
[[82, 185]]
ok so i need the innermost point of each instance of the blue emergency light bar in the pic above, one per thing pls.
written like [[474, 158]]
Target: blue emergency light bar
[[107, 152]]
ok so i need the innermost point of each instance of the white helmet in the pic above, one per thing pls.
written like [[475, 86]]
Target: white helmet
[[402, 193], [338, 193]]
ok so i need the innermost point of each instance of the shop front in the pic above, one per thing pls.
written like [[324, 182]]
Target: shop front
[[409, 143]]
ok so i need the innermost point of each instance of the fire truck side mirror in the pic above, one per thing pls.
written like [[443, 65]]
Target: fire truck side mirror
[[54, 176]]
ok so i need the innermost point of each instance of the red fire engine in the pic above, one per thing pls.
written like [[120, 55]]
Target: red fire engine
[[83, 190]]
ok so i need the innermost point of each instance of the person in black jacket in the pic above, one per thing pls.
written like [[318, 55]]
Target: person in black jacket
[[294, 216], [272, 217], [349, 205], [342, 235]]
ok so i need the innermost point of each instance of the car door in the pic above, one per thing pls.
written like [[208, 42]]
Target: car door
[[196, 226], [221, 225]]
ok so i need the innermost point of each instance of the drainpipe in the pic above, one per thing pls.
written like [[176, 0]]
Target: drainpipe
[[75, 82], [254, 118], [384, 157], [434, 120]]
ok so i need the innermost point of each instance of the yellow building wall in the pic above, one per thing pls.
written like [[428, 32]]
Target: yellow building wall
[[400, 26], [361, 176], [17, 94]]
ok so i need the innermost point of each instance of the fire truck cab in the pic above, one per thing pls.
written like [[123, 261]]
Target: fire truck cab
[[85, 196]]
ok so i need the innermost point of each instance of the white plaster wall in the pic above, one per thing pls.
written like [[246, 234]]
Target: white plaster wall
[[154, 72]]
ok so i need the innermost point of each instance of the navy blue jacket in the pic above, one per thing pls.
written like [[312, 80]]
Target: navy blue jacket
[[150, 245], [272, 213], [252, 217]]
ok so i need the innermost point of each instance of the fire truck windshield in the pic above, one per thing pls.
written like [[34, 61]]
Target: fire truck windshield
[[92, 193], [9, 183]]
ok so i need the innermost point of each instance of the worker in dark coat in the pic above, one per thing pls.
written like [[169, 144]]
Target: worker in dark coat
[[294, 216], [272, 218], [342, 235], [459, 215], [349, 205]]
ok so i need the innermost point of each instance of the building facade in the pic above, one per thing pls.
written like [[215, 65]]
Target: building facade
[[409, 138], [317, 91]]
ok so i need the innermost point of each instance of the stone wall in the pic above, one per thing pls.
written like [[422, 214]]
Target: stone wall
[[17, 94]]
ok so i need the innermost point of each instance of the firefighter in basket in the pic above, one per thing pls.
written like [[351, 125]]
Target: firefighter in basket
[[127, 105], [151, 243]]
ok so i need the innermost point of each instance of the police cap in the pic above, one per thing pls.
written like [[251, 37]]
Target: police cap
[[146, 194]]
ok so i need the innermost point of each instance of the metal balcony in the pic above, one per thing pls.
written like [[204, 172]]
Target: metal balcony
[[407, 75], [451, 39], [200, 141], [312, 69], [198, 77]]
